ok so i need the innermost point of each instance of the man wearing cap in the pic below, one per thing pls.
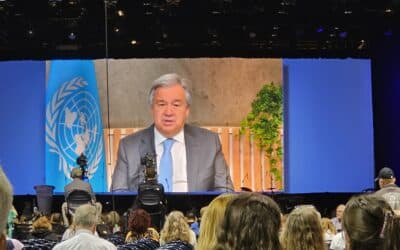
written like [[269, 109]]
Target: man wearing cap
[[388, 188]]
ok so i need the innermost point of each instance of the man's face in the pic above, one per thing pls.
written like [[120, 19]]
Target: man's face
[[170, 109], [339, 211]]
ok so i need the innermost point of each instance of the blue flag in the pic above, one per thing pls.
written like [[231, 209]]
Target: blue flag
[[73, 124]]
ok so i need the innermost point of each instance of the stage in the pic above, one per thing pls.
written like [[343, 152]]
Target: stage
[[121, 202]]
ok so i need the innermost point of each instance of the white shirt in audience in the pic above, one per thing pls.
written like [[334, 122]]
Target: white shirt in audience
[[338, 242], [85, 240]]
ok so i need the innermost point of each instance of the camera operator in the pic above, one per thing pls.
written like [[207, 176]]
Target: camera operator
[[79, 183]]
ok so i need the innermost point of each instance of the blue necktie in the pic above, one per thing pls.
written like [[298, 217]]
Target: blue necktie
[[165, 169]]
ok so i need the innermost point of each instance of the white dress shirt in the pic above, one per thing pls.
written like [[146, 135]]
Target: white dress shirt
[[85, 240], [178, 152]]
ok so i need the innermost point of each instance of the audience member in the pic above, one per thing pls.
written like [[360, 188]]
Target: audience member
[[388, 188], [212, 217], [6, 199], [338, 242], [329, 230], [57, 223], [193, 159], [42, 229], [139, 226], [251, 221], [191, 219], [337, 221], [176, 229], [370, 223], [303, 230], [78, 184], [85, 220]]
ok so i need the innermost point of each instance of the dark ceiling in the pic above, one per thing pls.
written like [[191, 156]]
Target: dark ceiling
[[44, 29]]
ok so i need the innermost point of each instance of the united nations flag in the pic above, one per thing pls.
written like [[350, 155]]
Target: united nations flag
[[73, 123]]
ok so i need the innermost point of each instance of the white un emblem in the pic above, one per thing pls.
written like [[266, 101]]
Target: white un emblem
[[72, 126]]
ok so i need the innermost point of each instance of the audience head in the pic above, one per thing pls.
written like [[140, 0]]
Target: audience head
[[212, 217], [303, 230], [251, 221], [139, 221], [56, 218], [385, 176], [6, 198], [327, 226], [113, 218], [370, 223], [76, 173], [339, 211], [42, 223], [86, 217], [175, 228], [170, 100]]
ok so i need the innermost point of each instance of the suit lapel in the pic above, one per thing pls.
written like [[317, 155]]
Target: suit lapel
[[192, 160]]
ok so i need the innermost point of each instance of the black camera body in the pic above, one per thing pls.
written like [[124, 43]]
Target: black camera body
[[149, 161], [82, 162]]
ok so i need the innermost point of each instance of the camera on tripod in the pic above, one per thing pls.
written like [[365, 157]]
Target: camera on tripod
[[82, 162]]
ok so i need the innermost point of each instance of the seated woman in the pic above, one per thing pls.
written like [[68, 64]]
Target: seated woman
[[251, 221], [213, 215], [42, 229], [370, 223], [176, 229], [303, 230], [139, 226]]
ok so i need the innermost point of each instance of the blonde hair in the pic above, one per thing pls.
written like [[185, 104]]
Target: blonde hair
[[327, 226], [175, 228], [6, 199], [303, 230], [42, 223], [211, 220]]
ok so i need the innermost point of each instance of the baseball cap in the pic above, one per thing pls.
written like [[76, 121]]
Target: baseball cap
[[385, 173]]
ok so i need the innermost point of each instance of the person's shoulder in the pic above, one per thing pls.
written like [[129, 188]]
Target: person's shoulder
[[198, 130], [138, 134]]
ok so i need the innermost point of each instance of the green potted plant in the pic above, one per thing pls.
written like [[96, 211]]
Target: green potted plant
[[265, 123]]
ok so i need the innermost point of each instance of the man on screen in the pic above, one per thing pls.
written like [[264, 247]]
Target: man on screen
[[188, 158]]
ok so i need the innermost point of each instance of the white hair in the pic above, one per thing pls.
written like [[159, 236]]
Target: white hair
[[168, 80]]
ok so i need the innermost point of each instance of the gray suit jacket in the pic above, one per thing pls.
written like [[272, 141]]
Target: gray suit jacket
[[206, 166]]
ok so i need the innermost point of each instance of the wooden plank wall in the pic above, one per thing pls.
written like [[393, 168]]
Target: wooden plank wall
[[247, 163]]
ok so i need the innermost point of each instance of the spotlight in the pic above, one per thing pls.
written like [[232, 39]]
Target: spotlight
[[71, 36], [120, 13], [30, 33], [133, 42]]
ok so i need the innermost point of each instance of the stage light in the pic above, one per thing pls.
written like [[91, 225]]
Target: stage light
[[347, 12], [30, 33], [320, 29], [133, 42], [343, 34], [252, 35], [116, 30], [71, 36], [120, 13]]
